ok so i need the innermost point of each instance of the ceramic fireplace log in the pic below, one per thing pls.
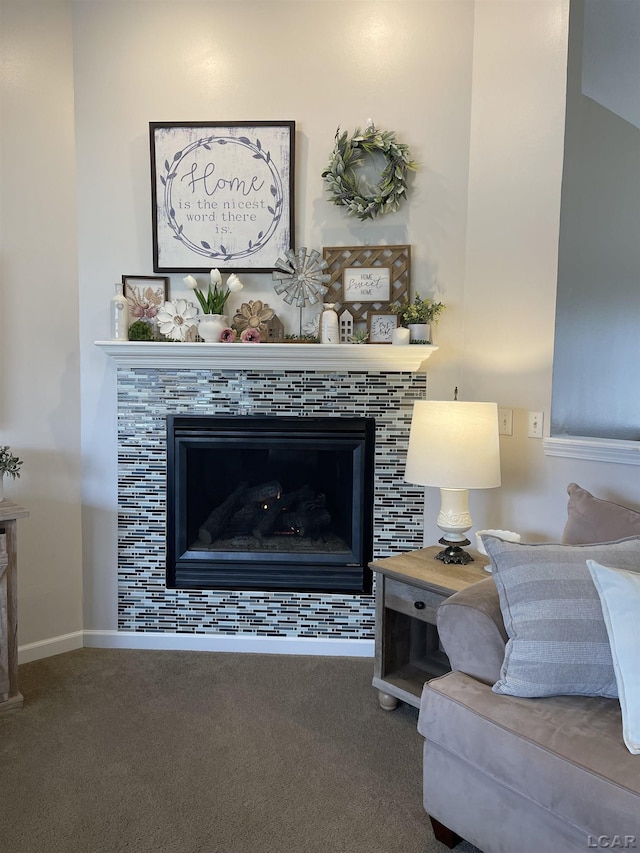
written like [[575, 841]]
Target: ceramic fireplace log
[[219, 517], [267, 520], [307, 522], [259, 518], [244, 520], [264, 492]]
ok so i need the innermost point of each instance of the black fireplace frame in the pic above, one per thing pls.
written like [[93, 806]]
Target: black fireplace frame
[[196, 569]]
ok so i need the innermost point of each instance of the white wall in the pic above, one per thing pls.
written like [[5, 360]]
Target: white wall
[[476, 90], [518, 108], [515, 172], [406, 65], [39, 367]]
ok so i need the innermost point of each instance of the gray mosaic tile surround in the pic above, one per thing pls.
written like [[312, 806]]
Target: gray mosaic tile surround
[[147, 395]]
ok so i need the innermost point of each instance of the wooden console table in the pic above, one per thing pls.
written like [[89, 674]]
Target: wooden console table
[[409, 588], [10, 697]]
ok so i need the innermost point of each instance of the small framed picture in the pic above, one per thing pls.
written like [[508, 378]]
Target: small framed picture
[[146, 294], [380, 325], [366, 284]]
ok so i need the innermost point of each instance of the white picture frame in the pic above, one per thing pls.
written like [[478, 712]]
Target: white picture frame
[[380, 326], [366, 285]]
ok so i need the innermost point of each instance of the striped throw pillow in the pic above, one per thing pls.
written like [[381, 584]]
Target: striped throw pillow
[[558, 642]]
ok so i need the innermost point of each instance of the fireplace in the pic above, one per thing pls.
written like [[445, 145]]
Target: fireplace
[[182, 380], [259, 502]]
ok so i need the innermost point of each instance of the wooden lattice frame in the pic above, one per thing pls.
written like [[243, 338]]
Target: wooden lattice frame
[[339, 258]]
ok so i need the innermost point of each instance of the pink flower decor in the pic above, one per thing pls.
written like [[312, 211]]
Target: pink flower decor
[[144, 304], [250, 336], [228, 336]]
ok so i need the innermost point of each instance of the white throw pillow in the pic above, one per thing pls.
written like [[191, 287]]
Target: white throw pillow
[[619, 592]]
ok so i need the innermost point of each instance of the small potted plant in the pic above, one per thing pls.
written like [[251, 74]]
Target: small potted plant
[[9, 465], [418, 315], [359, 336], [140, 331]]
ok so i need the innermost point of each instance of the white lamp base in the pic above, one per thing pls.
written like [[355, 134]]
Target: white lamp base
[[454, 520]]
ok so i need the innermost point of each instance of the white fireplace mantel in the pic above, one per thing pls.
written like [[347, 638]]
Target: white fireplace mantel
[[319, 357]]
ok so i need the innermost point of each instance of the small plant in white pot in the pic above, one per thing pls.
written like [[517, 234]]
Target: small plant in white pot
[[418, 316], [9, 466]]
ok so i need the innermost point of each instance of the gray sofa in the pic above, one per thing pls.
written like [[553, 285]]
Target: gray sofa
[[536, 775]]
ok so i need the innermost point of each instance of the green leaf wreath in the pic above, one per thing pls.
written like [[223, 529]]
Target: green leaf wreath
[[342, 173]]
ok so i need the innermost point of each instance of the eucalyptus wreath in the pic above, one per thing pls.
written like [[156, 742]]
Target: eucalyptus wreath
[[348, 155]]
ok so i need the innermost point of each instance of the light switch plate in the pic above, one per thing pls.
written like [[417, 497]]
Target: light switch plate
[[505, 421], [536, 422]]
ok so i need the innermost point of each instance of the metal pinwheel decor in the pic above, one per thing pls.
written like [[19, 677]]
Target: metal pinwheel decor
[[301, 277]]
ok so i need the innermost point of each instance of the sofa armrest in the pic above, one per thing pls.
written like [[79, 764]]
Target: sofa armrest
[[472, 631]]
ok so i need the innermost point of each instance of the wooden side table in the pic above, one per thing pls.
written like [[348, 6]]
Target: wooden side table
[[409, 589], [10, 697]]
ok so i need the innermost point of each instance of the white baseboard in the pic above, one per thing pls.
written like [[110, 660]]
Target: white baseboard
[[322, 646], [52, 646]]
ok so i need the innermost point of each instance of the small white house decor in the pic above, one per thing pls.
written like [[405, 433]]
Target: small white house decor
[[346, 184], [346, 326]]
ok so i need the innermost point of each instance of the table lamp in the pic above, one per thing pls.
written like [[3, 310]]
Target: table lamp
[[454, 446]]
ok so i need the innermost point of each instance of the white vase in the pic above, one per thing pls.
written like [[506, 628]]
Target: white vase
[[211, 327], [329, 326], [420, 331], [119, 315]]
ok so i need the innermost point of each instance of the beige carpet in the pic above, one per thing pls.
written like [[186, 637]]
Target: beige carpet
[[188, 752]]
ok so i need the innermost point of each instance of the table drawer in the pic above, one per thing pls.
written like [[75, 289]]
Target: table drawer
[[403, 598]]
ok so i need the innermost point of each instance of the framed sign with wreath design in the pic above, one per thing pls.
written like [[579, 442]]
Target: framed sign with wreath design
[[222, 195], [392, 283], [380, 326]]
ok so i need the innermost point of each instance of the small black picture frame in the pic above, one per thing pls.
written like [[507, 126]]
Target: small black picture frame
[[222, 194], [145, 294]]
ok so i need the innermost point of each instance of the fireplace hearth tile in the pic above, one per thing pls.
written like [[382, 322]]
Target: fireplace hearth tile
[[147, 395]]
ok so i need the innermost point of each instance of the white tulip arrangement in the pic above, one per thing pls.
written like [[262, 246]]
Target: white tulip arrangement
[[214, 301]]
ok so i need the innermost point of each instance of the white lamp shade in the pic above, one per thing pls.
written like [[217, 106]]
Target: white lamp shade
[[454, 445]]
